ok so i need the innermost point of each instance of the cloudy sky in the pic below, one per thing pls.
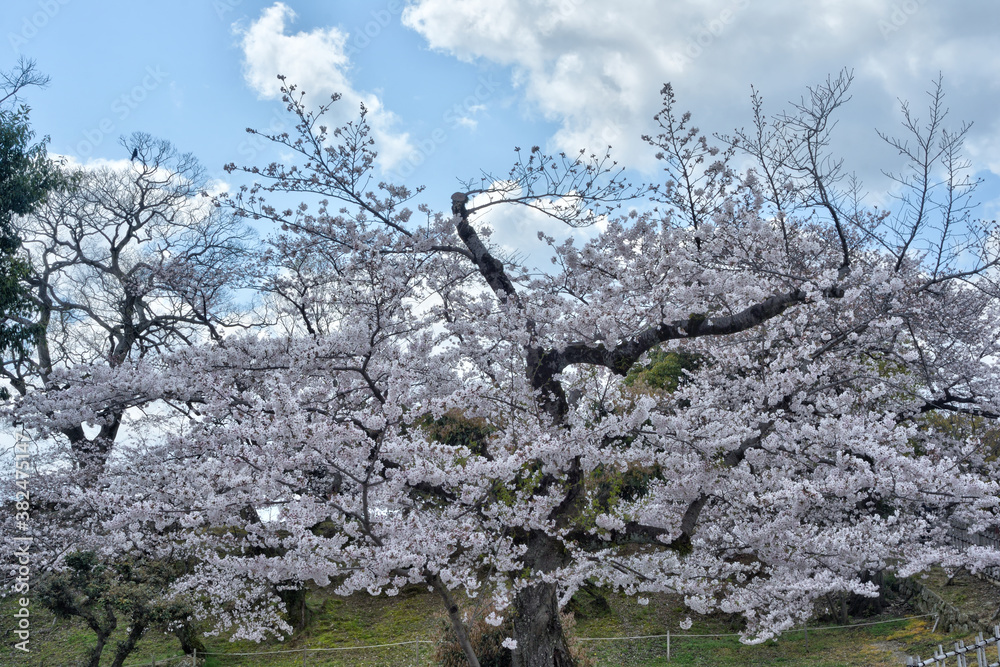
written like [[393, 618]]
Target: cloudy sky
[[453, 85]]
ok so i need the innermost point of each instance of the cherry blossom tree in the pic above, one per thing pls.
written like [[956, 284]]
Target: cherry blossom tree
[[793, 454]]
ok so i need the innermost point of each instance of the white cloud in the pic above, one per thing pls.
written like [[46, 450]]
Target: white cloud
[[213, 186], [72, 163], [317, 63], [513, 229], [595, 67]]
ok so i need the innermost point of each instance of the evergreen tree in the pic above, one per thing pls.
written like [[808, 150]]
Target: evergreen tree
[[26, 176]]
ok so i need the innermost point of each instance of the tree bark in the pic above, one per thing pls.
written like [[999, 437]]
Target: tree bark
[[95, 653], [537, 625], [94, 658], [295, 608], [127, 646], [538, 629], [457, 625], [189, 638]]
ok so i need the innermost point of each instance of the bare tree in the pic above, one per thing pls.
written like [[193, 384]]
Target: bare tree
[[23, 75], [129, 261]]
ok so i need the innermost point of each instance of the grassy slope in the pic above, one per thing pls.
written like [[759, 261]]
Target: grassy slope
[[416, 614], [873, 646]]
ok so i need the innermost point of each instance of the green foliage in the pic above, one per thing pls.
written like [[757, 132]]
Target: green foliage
[[963, 427], [612, 485], [26, 173], [456, 430], [589, 602], [665, 370], [104, 594], [26, 177]]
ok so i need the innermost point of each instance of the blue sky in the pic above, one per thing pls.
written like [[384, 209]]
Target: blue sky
[[454, 85], [176, 70]]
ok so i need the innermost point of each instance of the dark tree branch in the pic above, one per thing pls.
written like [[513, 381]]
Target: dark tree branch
[[489, 266], [624, 356]]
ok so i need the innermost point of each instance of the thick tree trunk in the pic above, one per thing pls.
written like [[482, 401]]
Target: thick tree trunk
[[538, 629], [92, 454], [537, 626], [296, 610], [102, 630]]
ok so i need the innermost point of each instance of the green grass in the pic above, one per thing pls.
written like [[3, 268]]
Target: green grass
[[417, 614], [873, 646], [59, 643], [864, 647]]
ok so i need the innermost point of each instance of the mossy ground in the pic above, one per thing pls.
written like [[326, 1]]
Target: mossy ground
[[416, 614], [966, 593]]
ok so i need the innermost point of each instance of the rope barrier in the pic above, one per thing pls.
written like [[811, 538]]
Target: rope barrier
[[334, 648], [736, 634], [670, 636]]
